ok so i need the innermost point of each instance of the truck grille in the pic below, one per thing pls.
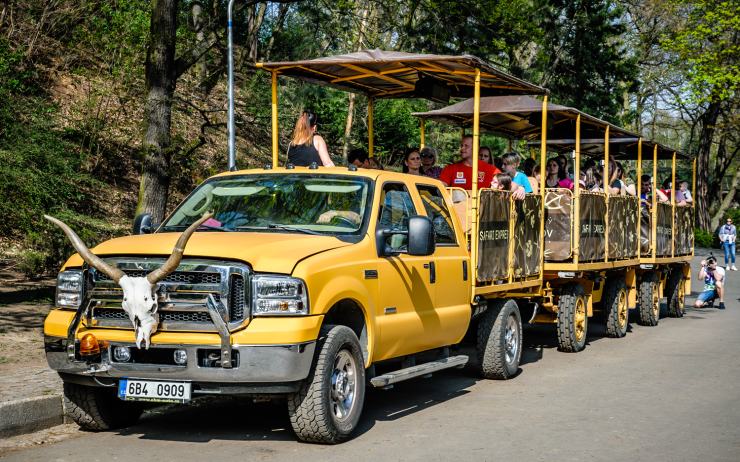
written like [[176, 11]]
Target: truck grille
[[181, 297]]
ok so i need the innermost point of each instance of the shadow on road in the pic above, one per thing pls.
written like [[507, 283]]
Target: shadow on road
[[239, 419]]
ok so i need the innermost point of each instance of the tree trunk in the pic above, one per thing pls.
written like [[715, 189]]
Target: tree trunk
[[201, 71], [727, 201], [351, 108], [282, 12], [706, 136], [161, 79]]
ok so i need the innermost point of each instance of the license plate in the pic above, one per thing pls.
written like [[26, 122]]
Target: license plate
[[155, 391]]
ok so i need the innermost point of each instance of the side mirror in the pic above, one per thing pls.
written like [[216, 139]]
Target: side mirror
[[419, 239], [143, 224], [421, 236]]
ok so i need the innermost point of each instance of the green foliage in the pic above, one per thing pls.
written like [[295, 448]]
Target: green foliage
[[709, 46], [31, 263], [705, 239]]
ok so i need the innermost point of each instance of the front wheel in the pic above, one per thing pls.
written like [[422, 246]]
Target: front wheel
[[328, 405], [675, 293], [499, 340], [615, 305], [98, 409]]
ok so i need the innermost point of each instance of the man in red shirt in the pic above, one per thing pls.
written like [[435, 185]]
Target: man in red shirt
[[460, 173]]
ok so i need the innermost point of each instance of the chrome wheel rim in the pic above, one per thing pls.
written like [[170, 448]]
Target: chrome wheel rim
[[681, 295], [511, 339], [343, 385], [656, 302]]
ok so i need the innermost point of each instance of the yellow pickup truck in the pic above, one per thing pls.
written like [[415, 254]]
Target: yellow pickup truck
[[304, 282]]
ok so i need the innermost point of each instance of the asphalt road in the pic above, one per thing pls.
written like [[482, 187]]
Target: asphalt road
[[670, 392]]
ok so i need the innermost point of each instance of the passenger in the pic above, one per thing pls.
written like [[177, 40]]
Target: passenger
[[590, 180], [498, 162], [563, 163], [646, 192], [428, 162], [373, 162], [511, 164], [484, 154], [667, 190], [532, 170], [307, 147], [714, 278], [412, 162], [460, 173], [616, 185], [502, 182], [358, 157], [684, 185], [556, 176]]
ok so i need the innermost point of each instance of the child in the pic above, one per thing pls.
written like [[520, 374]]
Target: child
[[511, 163], [684, 188]]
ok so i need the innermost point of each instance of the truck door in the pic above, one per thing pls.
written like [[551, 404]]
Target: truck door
[[452, 283], [406, 320]]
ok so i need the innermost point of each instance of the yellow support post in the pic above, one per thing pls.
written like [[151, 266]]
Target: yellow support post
[[422, 133], [543, 161], [275, 146], [607, 190], [638, 182], [693, 196], [577, 193], [673, 205], [370, 122], [474, 181], [654, 211]]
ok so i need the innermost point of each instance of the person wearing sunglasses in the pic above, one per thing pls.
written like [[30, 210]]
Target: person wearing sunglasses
[[428, 161]]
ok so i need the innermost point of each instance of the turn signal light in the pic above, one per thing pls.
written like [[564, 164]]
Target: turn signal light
[[89, 345]]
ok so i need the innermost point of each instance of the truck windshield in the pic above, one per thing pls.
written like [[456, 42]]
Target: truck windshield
[[315, 204]]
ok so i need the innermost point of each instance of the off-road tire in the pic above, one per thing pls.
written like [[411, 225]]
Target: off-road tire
[[675, 293], [98, 408], [499, 340], [572, 319], [616, 311], [649, 306], [310, 409]]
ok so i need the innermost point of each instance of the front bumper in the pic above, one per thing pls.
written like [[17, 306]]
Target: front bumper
[[271, 368]]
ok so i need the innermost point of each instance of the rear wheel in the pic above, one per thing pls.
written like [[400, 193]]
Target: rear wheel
[[499, 340], [675, 293], [649, 309], [615, 306], [328, 405], [572, 319], [97, 408]]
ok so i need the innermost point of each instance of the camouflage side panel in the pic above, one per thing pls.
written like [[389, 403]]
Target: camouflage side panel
[[646, 230], [558, 211], [527, 249], [664, 230], [593, 226], [684, 230], [493, 235], [622, 227]]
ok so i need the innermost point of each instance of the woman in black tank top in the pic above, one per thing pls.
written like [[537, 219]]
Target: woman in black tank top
[[307, 147]]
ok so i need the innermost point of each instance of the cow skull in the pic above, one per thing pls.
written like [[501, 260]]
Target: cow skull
[[139, 293]]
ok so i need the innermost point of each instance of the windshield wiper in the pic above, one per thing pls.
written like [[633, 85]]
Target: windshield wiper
[[290, 228], [179, 227]]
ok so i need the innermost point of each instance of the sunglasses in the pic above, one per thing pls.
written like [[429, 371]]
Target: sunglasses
[[427, 156]]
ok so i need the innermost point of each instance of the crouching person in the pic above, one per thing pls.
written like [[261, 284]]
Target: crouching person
[[714, 278]]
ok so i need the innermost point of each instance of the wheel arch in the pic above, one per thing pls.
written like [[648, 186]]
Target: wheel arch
[[350, 313]]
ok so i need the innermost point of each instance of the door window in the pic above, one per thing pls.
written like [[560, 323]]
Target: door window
[[437, 211], [396, 209]]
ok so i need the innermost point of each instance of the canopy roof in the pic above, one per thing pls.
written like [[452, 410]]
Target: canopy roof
[[521, 117], [395, 74]]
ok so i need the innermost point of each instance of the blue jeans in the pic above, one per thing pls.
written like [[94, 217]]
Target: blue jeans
[[729, 248]]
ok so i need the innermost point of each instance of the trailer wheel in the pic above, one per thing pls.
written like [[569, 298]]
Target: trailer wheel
[[499, 340], [649, 309], [98, 409], [328, 405], [615, 307], [572, 319], [675, 291]]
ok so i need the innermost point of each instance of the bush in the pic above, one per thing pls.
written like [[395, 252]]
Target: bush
[[31, 263], [705, 239]]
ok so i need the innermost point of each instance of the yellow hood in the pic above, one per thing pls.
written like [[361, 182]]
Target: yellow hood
[[266, 252]]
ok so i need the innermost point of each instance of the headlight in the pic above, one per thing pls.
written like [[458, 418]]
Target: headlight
[[70, 284], [279, 295]]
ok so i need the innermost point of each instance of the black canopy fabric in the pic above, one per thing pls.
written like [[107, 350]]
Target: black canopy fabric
[[521, 117], [395, 74]]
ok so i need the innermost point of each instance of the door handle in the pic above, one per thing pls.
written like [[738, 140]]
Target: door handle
[[432, 271]]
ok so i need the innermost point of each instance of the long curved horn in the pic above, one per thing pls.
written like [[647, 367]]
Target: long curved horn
[[91, 259], [174, 260]]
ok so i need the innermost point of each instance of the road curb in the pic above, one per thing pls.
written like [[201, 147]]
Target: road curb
[[30, 414]]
